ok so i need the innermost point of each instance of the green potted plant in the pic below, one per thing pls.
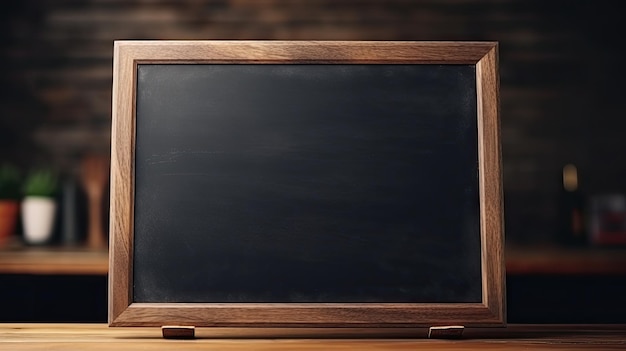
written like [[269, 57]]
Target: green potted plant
[[39, 206], [9, 201]]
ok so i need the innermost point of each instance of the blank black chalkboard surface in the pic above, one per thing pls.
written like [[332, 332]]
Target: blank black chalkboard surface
[[306, 184]]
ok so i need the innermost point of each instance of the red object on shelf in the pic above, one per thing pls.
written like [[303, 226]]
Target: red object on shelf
[[608, 220]]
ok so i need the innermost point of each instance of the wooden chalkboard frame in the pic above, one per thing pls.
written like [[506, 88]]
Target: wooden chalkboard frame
[[129, 54]]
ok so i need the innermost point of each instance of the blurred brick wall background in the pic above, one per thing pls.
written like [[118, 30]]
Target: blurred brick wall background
[[561, 79]]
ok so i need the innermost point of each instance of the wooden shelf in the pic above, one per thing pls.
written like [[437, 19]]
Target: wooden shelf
[[552, 260], [19, 259], [53, 261]]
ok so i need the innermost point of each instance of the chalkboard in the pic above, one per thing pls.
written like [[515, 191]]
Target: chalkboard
[[305, 184]]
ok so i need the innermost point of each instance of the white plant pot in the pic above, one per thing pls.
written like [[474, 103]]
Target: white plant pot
[[38, 214]]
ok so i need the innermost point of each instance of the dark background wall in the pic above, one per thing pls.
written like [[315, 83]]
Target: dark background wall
[[561, 86], [560, 75]]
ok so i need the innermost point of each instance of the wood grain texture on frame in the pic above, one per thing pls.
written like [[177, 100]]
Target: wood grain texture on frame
[[123, 311]]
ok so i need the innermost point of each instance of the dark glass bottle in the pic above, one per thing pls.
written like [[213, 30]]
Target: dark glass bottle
[[572, 222]]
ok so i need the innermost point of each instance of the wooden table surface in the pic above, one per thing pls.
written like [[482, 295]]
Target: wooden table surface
[[514, 337]]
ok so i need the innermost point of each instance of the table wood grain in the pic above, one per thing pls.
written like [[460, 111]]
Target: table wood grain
[[514, 337]]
